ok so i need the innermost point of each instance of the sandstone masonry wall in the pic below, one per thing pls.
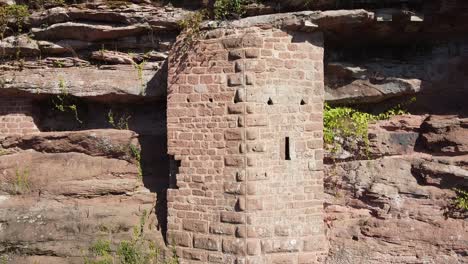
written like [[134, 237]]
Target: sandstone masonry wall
[[245, 122], [16, 116]]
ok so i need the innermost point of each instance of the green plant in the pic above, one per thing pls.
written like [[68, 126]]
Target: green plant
[[344, 122], [62, 101], [101, 253], [15, 13], [134, 251], [191, 26], [226, 9], [136, 154], [57, 63], [115, 4], [44, 4], [100, 248], [121, 123], [461, 200], [347, 123], [21, 182], [139, 67]]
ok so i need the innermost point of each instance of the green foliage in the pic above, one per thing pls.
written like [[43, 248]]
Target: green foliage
[[136, 154], [21, 183], [461, 200], [191, 26], [62, 101], [3, 151], [134, 251], [101, 252], [118, 122], [116, 4], [139, 67], [226, 9], [345, 122], [100, 248], [15, 13], [44, 4]]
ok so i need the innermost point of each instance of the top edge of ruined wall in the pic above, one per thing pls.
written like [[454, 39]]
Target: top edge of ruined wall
[[298, 21]]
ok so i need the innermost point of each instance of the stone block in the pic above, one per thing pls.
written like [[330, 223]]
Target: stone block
[[236, 109], [235, 79], [252, 53], [234, 246], [251, 133], [234, 187], [256, 120], [253, 247], [233, 217], [195, 225], [234, 161], [179, 238], [236, 54], [211, 243], [234, 134], [232, 43], [222, 229]]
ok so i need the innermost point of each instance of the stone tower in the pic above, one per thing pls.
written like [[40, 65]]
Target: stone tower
[[245, 121]]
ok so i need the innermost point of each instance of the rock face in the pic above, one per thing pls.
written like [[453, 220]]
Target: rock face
[[85, 127], [60, 192], [445, 135], [400, 205]]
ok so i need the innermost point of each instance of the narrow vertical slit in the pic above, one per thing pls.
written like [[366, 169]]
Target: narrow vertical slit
[[287, 153]]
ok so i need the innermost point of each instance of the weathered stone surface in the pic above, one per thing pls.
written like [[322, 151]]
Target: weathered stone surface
[[87, 32], [79, 174], [62, 46], [86, 81], [348, 84], [60, 230], [401, 201], [107, 143], [382, 205], [112, 57], [326, 20], [158, 17], [62, 191], [445, 135], [18, 47]]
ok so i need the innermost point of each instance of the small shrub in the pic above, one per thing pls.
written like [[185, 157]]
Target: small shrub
[[136, 154], [21, 182], [191, 26], [139, 67], [101, 248], [134, 251], [62, 101], [101, 253], [116, 4], [15, 13], [228, 9], [44, 4], [347, 123], [118, 122], [461, 200]]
